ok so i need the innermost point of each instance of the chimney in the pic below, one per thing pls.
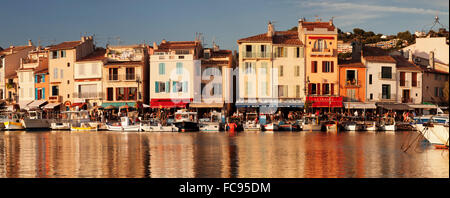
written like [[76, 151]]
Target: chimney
[[83, 39], [331, 22], [431, 60], [410, 56], [155, 46], [270, 30], [30, 43], [163, 41], [356, 50]]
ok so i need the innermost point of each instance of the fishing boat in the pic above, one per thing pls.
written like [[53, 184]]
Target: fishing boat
[[13, 121], [370, 126], [158, 127], [186, 121], [288, 126], [252, 123], [83, 127], [386, 125], [352, 126], [331, 126], [35, 120], [69, 118], [124, 125], [212, 123], [311, 123], [271, 127], [3, 118]]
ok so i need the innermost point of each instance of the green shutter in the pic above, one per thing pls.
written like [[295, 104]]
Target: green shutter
[[43, 93], [185, 87], [156, 87], [174, 87], [167, 87]]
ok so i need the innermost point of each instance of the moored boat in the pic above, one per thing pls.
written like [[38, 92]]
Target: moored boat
[[186, 121], [310, 123], [386, 125], [124, 125], [35, 121], [252, 123], [331, 126], [13, 121]]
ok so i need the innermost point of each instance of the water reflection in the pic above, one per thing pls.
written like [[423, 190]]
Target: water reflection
[[168, 155]]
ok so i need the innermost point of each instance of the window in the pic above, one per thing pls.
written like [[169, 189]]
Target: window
[[350, 77], [54, 54], [280, 71], [248, 51], [206, 55], [178, 86], [297, 91], [120, 93], [249, 68], [55, 90], [313, 66], [68, 64], [326, 89], [351, 94], [113, 74], [179, 68], [371, 96], [282, 90], [55, 73], [130, 74], [320, 45], [386, 72], [63, 53], [438, 92], [263, 68], [297, 70], [263, 50], [297, 52], [131, 93], [87, 91], [370, 79], [110, 94], [326, 66], [386, 91], [312, 88], [162, 68], [281, 52]]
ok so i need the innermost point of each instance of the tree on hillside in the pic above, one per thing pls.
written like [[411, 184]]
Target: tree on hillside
[[295, 28], [407, 36], [358, 31]]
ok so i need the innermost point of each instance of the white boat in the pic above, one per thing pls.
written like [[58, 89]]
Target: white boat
[[35, 121], [13, 121], [310, 124], [436, 131], [370, 126], [211, 124], [353, 126], [124, 125], [3, 119], [157, 127], [252, 124], [387, 125], [271, 127], [331, 126], [69, 118]]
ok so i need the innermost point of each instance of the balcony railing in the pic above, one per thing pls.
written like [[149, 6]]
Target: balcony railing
[[392, 97], [386, 77], [407, 100], [123, 77], [326, 51], [353, 83], [88, 95], [257, 55]]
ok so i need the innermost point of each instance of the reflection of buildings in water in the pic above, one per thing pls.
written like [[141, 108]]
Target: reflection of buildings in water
[[211, 156], [233, 158], [171, 155], [321, 156]]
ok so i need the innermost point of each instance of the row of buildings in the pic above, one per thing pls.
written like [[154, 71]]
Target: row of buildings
[[284, 69]]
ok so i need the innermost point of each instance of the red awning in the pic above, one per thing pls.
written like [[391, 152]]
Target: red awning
[[169, 103], [322, 101]]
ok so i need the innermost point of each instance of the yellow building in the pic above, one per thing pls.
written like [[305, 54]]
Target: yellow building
[[271, 70], [322, 73]]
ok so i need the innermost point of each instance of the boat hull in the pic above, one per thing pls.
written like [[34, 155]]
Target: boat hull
[[159, 128], [387, 127], [29, 124], [187, 126], [60, 126], [13, 125], [131, 128], [271, 127], [83, 128], [311, 127], [437, 134], [213, 127]]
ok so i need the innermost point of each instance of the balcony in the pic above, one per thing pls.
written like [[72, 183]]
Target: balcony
[[317, 51], [384, 98], [88, 95], [55, 98], [353, 84], [386, 77], [257, 55], [407, 100], [123, 77]]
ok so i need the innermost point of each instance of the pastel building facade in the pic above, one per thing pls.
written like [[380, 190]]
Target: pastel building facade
[[271, 70], [175, 67]]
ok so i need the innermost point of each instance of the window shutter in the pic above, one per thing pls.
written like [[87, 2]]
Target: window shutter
[[323, 88], [35, 93], [174, 87], [43, 93], [167, 86], [312, 67], [185, 87], [156, 87], [309, 88], [332, 66], [318, 88], [36, 78], [332, 89], [323, 66]]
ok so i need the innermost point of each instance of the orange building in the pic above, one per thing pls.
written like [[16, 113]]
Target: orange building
[[352, 80], [41, 82]]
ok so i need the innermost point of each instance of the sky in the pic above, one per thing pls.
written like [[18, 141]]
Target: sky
[[224, 22]]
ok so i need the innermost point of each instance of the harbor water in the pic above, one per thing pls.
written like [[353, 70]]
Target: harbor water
[[105, 154]]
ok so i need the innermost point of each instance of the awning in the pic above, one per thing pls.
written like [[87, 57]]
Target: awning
[[80, 105], [37, 104], [118, 104], [24, 104], [324, 101], [359, 105], [206, 105], [422, 106], [51, 105], [395, 106], [269, 103], [169, 103], [145, 106]]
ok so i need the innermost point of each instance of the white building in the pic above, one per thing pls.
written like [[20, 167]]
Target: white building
[[381, 75], [174, 68], [87, 77]]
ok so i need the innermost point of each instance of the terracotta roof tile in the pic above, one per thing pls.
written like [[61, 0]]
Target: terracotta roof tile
[[65, 45], [350, 63], [43, 66], [177, 45], [280, 37], [403, 63], [97, 55], [15, 49], [375, 54]]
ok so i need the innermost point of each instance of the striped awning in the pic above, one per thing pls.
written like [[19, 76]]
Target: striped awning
[[51, 105], [37, 104], [422, 106], [359, 105]]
